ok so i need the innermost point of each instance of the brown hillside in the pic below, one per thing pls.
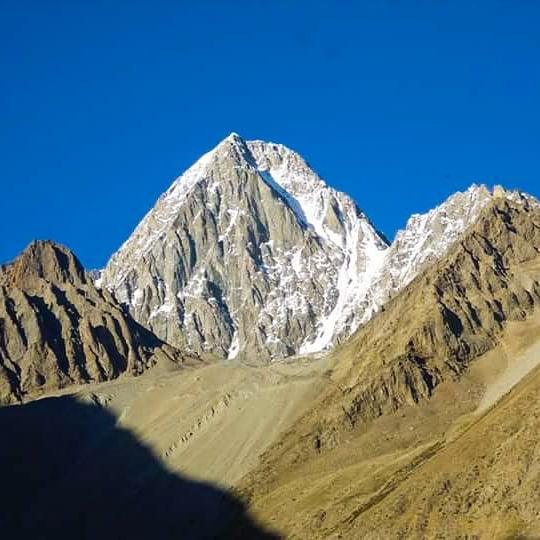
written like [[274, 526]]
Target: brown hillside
[[407, 385], [57, 329]]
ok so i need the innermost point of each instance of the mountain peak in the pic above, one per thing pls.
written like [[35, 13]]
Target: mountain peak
[[57, 329], [233, 136], [47, 260], [233, 139], [248, 251]]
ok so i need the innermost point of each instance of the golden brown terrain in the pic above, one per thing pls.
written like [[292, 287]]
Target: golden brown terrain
[[423, 425], [427, 428], [465, 462], [213, 422]]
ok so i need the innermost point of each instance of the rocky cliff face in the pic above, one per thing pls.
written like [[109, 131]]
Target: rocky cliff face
[[248, 253], [57, 329], [417, 359]]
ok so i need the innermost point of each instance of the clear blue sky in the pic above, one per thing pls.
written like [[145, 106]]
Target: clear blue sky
[[398, 103]]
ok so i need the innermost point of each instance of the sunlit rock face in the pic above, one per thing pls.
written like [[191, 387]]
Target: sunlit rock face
[[57, 329], [251, 254]]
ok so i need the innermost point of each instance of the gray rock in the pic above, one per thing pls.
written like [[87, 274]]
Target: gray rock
[[248, 253]]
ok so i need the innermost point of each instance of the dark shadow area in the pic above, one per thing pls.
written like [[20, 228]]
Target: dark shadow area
[[67, 471], [452, 321]]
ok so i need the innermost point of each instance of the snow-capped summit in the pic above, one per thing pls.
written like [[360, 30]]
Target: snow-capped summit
[[427, 237], [249, 251]]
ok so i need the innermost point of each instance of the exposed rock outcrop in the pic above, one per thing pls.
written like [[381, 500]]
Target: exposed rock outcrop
[[57, 329], [249, 253]]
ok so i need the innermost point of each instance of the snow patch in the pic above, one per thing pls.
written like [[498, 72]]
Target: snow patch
[[234, 349], [233, 213]]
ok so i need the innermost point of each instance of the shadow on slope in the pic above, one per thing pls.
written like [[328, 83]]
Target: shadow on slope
[[68, 471]]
